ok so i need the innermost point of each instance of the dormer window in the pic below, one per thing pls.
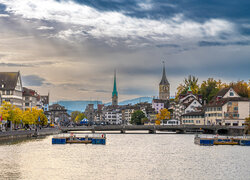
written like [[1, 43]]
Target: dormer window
[[231, 93]]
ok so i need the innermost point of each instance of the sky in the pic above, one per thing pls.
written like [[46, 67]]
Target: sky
[[70, 48]]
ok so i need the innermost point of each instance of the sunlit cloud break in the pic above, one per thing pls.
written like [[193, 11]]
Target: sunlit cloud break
[[100, 24]]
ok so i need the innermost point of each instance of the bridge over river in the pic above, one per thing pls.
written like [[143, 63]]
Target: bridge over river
[[207, 129]]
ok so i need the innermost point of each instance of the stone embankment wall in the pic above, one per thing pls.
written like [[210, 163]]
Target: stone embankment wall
[[28, 133]]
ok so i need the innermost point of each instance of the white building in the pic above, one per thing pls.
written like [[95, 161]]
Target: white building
[[187, 103], [227, 108], [113, 117], [193, 118], [158, 104], [11, 88]]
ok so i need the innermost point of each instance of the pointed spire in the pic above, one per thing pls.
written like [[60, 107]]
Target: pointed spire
[[114, 87], [164, 80]]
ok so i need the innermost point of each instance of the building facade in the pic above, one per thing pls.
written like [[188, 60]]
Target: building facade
[[31, 99], [11, 88], [187, 103], [227, 108], [193, 118]]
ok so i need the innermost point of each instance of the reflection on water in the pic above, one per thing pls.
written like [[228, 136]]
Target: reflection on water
[[20, 140], [126, 156]]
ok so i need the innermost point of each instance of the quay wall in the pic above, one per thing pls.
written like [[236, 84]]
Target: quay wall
[[19, 134]]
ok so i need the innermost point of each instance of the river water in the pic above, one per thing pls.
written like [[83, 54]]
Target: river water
[[125, 156]]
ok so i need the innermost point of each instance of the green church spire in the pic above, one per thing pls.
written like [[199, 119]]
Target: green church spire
[[114, 87]]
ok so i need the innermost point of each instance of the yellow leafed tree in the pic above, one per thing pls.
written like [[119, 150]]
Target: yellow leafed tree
[[164, 114], [28, 117], [6, 110], [11, 113], [18, 116]]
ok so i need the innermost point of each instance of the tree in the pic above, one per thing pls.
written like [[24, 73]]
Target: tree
[[74, 114], [191, 82], [247, 127], [209, 89], [137, 117], [18, 116], [11, 113], [145, 120], [40, 118], [241, 88], [28, 117], [164, 114]]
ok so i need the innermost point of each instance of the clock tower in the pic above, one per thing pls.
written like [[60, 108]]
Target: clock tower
[[164, 86]]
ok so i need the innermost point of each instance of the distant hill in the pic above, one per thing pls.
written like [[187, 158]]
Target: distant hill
[[77, 105], [136, 100], [81, 105]]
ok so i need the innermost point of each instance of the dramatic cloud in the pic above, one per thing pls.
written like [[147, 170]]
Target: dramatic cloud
[[71, 47], [33, 80], [115, 24]]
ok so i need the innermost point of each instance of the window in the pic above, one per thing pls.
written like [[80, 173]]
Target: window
[[235, 108], [219, 108], [7, 92], [229, 103], [231, 93], [27, 104]]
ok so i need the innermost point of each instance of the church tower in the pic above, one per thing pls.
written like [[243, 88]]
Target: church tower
[[164, 86], [114, 93]]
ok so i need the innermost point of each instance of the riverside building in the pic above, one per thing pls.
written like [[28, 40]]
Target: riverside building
[[11, 88], [227, 108]]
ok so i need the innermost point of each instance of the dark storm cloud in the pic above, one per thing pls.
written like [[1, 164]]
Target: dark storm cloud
[[218, 43], [33, 80], [167, 45], [231, 69], [195, 9]]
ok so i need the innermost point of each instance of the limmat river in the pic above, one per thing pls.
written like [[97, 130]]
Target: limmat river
[[125, 156]]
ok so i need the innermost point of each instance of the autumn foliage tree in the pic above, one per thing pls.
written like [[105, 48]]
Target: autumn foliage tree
[[164, 114], [190, 81], [10, 113], [247, 127]]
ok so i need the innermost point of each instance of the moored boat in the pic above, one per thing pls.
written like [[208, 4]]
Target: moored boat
[[73, 139], [221, 140]]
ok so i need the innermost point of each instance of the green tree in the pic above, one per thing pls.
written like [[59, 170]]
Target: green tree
[[137, 117], [145, 120], [209, 89]]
